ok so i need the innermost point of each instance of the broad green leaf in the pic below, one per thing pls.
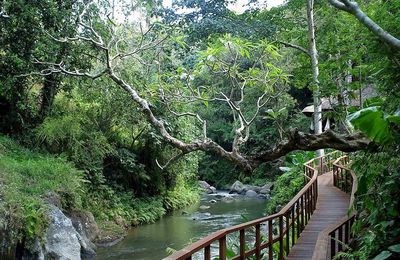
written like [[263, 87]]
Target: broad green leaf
[[395, 248], [373, 102], [372, 122], [383, 255], [395, 118]]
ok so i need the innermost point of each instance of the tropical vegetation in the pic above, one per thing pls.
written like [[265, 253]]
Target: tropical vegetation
[[120, 107]]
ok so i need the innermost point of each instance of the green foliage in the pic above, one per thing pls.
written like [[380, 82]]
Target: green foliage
[[377, 125], [183, 194], [22, 206], [204, 19], [377, 227], [289, 183]]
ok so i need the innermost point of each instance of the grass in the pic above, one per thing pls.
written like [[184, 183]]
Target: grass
[[25, 178]]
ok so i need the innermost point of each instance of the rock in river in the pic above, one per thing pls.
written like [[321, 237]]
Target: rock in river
[[204, 207], [207, 188], [251, 193], [237, 187]]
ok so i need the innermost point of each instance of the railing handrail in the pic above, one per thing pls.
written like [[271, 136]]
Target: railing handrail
[[189, 250], [322, 247]]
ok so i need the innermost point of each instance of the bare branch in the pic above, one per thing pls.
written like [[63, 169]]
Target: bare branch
[[294, 46], [171, 161], [197, 116], [54, 68]]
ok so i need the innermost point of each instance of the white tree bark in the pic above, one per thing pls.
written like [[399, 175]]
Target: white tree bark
[[353, 8], [317, 116]]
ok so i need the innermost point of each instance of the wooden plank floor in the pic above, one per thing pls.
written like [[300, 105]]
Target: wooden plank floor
[[332, 205]]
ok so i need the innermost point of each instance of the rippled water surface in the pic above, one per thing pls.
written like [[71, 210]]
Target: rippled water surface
[[149, 242]]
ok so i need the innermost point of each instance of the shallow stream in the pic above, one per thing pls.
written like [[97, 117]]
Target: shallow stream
[[150, 242]]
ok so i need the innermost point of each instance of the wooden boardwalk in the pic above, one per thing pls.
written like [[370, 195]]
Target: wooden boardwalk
[[320, 205], [332, 205]]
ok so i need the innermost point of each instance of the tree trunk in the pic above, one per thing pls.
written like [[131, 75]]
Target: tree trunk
[[49, 91], [317, 116]]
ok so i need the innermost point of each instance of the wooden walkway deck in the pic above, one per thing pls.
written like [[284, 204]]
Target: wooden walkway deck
[[332, 204]]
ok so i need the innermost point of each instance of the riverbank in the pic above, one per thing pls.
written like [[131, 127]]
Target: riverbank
[[180, 227], [39, 190]]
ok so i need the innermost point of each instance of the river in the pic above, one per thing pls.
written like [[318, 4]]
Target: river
[[150, 242]]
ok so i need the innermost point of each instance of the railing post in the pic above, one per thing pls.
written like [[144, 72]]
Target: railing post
[[308, 205], [258, 242], [281, 238], [287, 216], [340, 238], [302, 212], [293, 224], [207, 253], [333, 245], [334, 176], [242, 241], [321, 165], [298, 218], [222, 248], [270, 240], [346, 232], [316, 192]]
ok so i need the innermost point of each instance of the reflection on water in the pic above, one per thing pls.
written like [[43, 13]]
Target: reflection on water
[[149, 242]]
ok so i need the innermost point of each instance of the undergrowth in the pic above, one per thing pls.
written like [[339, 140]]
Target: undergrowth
[[25, 178], [289, 183]]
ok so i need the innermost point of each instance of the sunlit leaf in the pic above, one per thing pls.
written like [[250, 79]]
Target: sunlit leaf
[[383, 255]]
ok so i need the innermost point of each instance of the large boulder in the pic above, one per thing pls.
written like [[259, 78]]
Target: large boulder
[[66, 238], [213, 189], [247, 187], [84, 223], [204, 185], [237, 187], [265, 191], [61, 240], [268, 186], [207, 188], [87, 229], [251, 194]]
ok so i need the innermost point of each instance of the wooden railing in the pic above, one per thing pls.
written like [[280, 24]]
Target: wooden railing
[[336, 238], [269, 237]]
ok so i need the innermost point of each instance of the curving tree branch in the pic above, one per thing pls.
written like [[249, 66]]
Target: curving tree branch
[[353, 8], [297, 140], [112, 53], [294, 46]]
